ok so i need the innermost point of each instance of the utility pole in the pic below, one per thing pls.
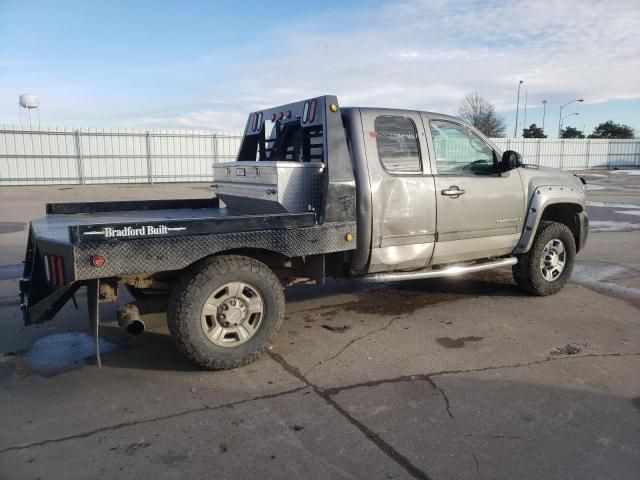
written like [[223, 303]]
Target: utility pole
[[515, 128], [544, 111]]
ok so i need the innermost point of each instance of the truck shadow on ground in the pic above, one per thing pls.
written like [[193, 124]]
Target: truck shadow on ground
[[406, 297], [156, 350]]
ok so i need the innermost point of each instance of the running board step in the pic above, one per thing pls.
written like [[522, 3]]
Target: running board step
[[451, 271]]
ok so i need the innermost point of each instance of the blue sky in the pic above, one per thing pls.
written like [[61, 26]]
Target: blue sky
[[207, 64]]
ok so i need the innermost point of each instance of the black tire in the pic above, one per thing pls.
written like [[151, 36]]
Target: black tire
[[527, 272], [192, 290]]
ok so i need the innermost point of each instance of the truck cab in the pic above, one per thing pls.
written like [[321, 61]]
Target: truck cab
[[432, 190]]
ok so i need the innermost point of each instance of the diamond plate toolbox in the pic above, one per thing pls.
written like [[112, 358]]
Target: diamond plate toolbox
[[273, 187]]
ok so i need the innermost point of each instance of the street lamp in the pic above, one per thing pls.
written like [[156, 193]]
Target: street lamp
[[515, 129], [526, 98], [544, 112], [560, 119], [566, 116]]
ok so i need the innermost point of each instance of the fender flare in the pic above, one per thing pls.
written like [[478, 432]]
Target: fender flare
[[542, 197]]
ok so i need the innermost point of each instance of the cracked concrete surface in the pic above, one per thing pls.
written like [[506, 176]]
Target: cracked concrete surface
[[433, 380]]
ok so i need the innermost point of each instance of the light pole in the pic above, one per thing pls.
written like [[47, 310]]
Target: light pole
[[544, 112], [515, 128], [566, 116], [526, 98], [561, 107]]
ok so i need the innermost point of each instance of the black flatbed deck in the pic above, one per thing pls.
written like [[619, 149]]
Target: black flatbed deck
[[118, 221]]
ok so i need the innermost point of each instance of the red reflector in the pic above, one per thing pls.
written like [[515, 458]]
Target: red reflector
[[312, 110], [98, 261], [60, 271], [52, 270]]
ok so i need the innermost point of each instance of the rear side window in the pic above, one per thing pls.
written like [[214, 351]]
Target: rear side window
[[397, 140]]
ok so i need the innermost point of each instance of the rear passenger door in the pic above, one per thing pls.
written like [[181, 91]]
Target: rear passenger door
[[402, 190], [480, 212]]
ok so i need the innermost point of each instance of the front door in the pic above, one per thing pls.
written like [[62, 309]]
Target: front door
[[480, 212], [402, 190]]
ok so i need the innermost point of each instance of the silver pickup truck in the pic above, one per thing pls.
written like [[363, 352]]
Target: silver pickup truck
[[378, 195]]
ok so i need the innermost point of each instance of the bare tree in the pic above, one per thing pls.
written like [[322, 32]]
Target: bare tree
[[480, 113]]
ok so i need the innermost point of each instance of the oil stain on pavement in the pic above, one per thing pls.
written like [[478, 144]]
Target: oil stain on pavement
[[460, 342]]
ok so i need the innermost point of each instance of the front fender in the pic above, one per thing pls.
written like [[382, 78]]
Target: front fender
[[542, 197]]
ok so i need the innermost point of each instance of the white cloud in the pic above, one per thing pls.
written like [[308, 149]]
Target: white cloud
[[423, 54], [427, 55]]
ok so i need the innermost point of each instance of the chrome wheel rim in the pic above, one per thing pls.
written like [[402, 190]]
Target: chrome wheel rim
[[553, 260], [232, 314]]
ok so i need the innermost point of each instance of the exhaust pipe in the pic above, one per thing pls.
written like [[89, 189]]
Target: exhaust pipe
[[129, 319]]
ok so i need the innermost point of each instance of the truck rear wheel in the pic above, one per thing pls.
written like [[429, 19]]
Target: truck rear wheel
[[224, 311], [547, 266]]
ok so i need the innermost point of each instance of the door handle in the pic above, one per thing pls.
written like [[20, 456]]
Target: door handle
[[453, 191]]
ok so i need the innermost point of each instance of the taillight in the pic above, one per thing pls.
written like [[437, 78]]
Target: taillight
[[312, 110], [309, 111], [47, 272], [256, 122], [54, 269], [60, 269]]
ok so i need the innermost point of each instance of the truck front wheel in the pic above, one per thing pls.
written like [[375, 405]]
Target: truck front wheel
[[224, 311], [547, 266]]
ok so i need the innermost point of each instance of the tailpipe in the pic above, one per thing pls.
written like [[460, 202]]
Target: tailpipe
[[129, 319]]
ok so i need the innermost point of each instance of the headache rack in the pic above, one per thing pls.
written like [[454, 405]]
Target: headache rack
[[293, 158]]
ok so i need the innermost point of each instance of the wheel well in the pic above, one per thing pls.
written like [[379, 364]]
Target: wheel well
[[290, 270], [268, 257], [162, 280], [566, 213]]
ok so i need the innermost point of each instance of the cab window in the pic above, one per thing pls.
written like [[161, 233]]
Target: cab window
[[459, 151], [397, 141]]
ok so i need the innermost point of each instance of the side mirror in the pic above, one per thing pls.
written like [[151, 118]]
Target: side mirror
[[510, 160]]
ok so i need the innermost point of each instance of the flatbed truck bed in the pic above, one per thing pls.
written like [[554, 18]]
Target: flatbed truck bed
[[80, 242]]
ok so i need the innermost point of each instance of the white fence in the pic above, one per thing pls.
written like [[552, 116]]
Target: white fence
[[91, 155], [117, 155], [575, 154]]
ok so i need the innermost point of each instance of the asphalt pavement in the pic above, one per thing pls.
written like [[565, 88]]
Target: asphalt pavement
[[443, 379]]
